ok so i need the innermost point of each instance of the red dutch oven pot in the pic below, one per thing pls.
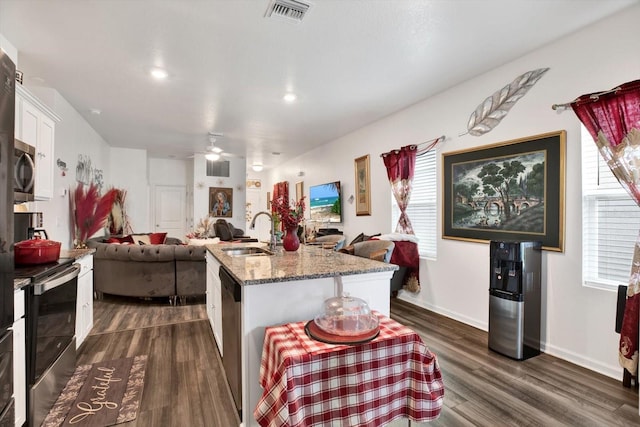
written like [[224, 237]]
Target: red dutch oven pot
[[36, 251]]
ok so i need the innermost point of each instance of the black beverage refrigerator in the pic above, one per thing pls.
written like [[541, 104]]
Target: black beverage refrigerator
[[7, 120]]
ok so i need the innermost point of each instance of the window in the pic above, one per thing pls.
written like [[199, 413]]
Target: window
[[422, 206], [218, 168], [610, 222]]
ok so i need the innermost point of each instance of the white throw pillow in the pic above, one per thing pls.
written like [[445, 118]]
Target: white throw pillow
[[141, 239]]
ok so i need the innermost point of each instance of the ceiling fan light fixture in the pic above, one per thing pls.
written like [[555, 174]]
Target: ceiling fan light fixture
[[159, 73], [212, 156], [257, 167]]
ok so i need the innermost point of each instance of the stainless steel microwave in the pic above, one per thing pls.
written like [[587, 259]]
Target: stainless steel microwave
[[24, 171]]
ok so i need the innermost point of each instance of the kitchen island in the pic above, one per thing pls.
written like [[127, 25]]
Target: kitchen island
[[276, 289]]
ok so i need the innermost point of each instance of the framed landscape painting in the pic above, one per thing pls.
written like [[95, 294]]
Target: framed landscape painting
[[511, 190]]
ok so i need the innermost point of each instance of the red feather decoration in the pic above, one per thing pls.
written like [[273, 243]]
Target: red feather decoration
[[89, 212]]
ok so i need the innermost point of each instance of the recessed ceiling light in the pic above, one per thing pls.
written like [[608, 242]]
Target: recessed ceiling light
[[159, 73], [212, 156], [95, 111], [289, 97], [257, 167]]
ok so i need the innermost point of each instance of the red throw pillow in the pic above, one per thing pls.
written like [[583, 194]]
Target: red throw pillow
[[125, 239], [157, 238]]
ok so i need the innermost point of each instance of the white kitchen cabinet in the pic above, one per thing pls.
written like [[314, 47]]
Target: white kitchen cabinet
[[214, 299], [19, 359], [84, 308], [35, 125]]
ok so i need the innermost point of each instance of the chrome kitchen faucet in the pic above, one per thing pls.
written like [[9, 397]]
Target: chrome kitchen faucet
[[272, 243]]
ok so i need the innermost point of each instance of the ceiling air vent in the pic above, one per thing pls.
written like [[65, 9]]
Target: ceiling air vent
[[290, 10]]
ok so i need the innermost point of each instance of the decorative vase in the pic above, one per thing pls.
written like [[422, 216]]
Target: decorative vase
[[290, 241]]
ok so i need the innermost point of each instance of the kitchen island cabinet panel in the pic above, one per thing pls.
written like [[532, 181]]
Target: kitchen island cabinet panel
[[84, 304], [292, 287], [214, 299]]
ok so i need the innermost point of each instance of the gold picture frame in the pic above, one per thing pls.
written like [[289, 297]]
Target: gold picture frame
[[363, 186], [299, 190], [221, 202], [476, 206]]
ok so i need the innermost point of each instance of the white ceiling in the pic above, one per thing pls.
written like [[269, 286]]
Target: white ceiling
[[350, 62]]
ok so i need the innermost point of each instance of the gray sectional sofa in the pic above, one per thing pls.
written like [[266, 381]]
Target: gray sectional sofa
[[166, 270]]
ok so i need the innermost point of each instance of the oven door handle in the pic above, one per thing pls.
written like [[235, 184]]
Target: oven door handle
[[57, 280]]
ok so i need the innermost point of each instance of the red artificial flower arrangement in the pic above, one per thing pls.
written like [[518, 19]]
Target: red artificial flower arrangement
[[89, 212], [290, 218]]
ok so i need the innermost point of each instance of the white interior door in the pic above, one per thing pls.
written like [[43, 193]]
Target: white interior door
[[170, 210]]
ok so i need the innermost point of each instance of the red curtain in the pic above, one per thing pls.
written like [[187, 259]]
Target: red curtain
[[613, 120], [400, 166], [280, 189]]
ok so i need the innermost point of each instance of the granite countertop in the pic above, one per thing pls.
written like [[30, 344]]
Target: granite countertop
[[76, 253], [308, 262]]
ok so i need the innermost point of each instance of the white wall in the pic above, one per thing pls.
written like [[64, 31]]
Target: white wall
[[578, 322], [257, 202], [169, 172], [73, 137], [122, 168], [129, 170], [202, 182]]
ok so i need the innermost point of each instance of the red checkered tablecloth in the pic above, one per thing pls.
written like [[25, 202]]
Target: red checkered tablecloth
[[310, 383]]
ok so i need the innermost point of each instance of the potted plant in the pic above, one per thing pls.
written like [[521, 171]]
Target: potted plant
[[290, 218]]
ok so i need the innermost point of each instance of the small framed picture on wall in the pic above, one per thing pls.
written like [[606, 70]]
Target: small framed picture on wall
[[221, 202], [363, 184], [299, 190]]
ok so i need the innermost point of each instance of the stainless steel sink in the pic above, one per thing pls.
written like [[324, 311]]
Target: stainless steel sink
[[247, 251]]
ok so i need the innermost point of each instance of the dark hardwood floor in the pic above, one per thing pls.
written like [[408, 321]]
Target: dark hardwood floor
[[185, 384], [483, 388], [184, 381]]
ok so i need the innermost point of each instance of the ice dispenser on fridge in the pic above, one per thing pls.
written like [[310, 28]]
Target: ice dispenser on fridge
[[515, 298]]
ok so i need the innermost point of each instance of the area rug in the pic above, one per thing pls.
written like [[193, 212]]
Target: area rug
[[101, 394]]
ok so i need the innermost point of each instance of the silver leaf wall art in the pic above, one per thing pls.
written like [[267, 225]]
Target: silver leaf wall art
[[489, 114]]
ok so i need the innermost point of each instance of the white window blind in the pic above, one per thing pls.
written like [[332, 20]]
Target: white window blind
[[422, 206], [610, 222]]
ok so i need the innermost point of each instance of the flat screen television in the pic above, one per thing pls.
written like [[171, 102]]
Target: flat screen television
[[325, 203]]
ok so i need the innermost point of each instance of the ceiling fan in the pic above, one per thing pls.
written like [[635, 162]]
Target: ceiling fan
[[213, 151]]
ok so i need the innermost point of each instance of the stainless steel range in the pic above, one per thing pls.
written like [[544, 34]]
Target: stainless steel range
[[51, 346]]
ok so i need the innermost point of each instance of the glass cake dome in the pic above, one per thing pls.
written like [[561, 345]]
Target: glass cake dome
[[346, 315]]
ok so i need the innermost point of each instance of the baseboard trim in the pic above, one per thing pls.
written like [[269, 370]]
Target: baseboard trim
[[450, 314], [612, 371]]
